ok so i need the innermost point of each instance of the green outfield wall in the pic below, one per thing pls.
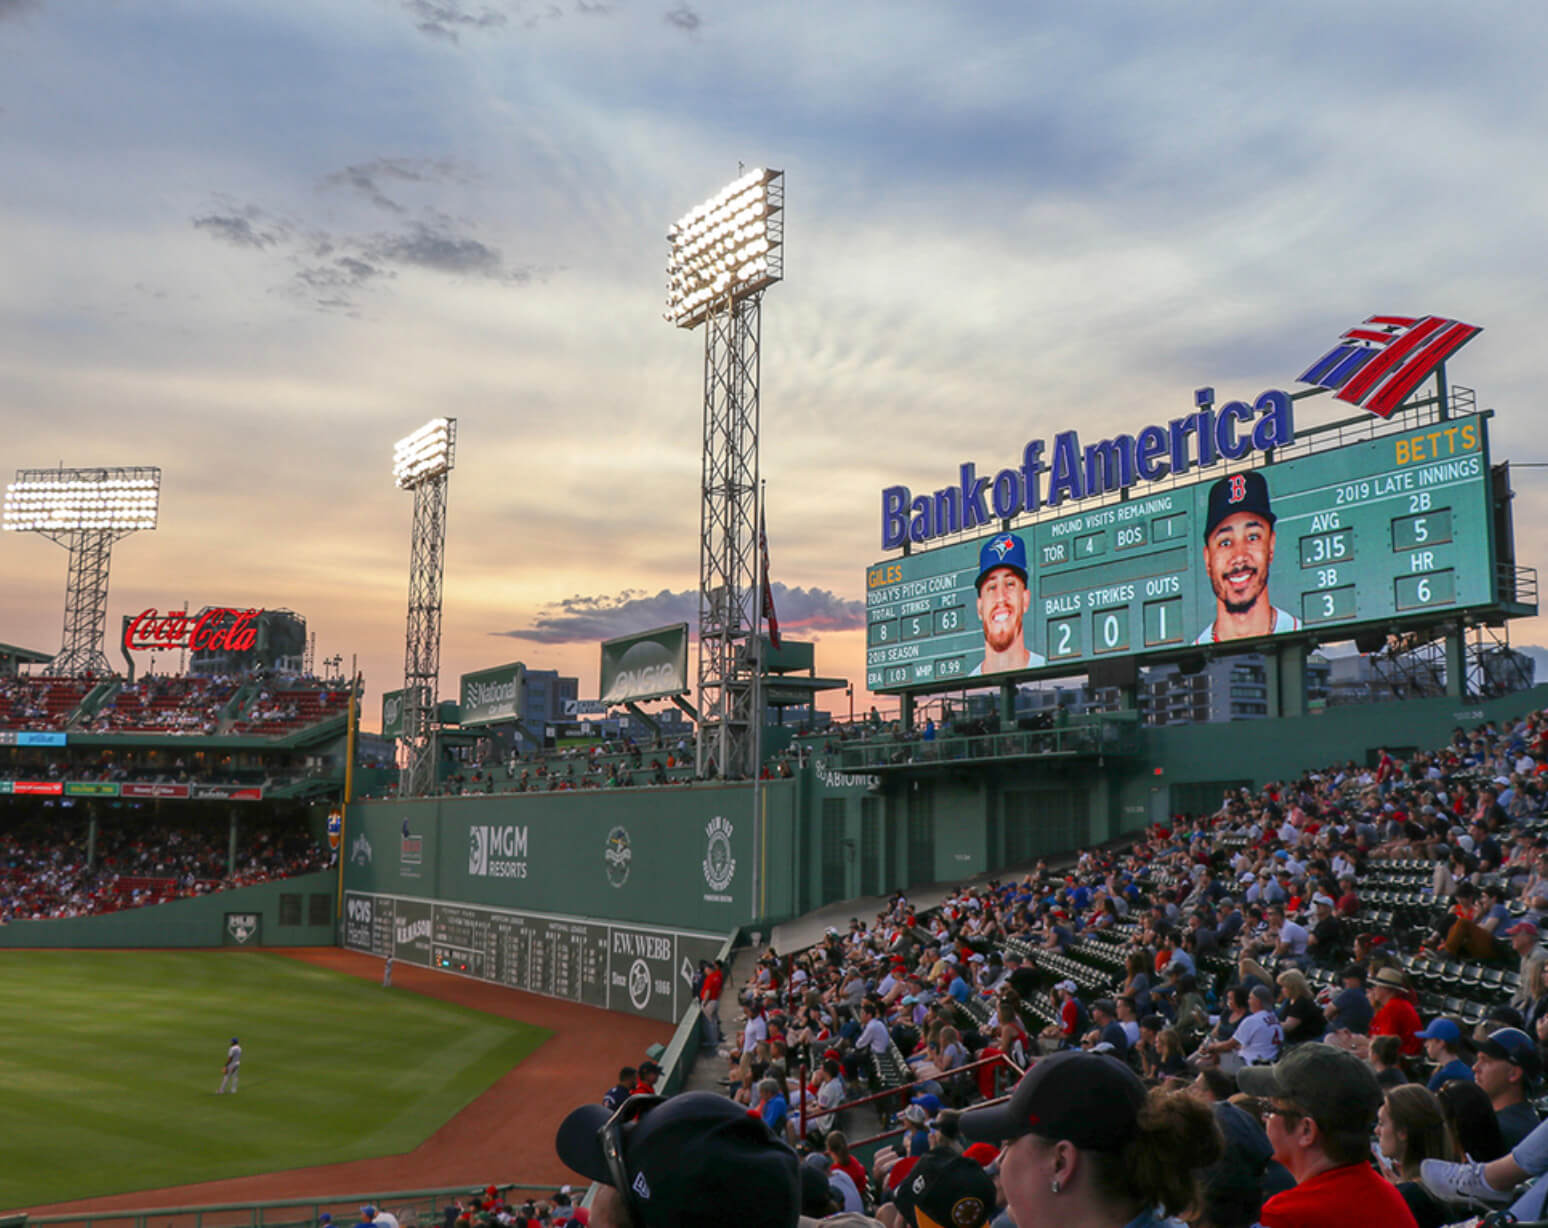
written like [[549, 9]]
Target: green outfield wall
[[289, 912]]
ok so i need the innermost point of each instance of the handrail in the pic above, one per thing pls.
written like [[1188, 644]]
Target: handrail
[[1004, 1058], [1107, 734]]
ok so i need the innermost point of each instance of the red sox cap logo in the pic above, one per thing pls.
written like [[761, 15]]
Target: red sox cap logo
[[1238, 489]]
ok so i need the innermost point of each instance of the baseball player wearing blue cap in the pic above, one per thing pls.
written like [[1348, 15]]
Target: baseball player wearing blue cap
[[1238, 548], [1003, 600]]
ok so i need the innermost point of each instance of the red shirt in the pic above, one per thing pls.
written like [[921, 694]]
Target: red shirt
[[1399, 1018], [712, 983], [1353, 1196]]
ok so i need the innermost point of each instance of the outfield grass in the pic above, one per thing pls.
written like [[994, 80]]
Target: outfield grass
[[110, 1059]]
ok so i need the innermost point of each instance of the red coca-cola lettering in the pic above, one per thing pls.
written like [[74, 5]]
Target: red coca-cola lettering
[[218, 629]]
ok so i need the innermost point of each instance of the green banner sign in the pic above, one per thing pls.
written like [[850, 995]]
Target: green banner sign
[[90, 788], [493, 694], [648, 665], [392, 714], [5, 786]]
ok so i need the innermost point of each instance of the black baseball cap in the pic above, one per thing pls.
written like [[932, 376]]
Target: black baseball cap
[[1238, 492], [688, 1159], [1084, 1098], [945, 1190]]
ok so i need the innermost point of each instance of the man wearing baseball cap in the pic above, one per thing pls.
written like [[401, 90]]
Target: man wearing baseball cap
[[1238, 548], [1322, 1108], [945, 1190], [1004, 597], [1442, 1042], [694, 1161], [1508, 1067]]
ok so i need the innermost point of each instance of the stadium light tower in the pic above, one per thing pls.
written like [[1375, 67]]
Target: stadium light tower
[[422, 462], [85, 511], [724, 254]]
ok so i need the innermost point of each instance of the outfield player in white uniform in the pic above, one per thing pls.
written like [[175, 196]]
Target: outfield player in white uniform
[[233, 1067]]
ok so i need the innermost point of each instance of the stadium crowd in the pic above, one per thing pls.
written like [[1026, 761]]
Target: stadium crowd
[[1326, 1003], [45, 871]]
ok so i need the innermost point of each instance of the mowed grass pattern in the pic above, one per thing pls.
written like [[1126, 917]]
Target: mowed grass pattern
[[109, 1061]]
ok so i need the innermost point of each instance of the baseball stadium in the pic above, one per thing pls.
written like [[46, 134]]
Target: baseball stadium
[[1185, 854]]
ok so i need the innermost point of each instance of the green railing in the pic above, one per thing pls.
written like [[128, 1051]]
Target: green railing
[[1115, 733], [412, 1208]]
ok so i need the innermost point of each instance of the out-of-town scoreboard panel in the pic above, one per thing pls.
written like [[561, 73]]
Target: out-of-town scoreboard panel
[[1394, 526]]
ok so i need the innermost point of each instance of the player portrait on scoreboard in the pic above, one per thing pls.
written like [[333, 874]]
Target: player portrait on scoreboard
[[1004, 597], [1238, 550]]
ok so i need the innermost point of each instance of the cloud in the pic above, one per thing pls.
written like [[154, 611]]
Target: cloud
[[366, 178], [429, 248], [684, 18], [330, 268], [238, 229], [446, 19], [583, 619]]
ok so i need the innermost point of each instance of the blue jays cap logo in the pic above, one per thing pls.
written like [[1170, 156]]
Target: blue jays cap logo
[[1006, 550]]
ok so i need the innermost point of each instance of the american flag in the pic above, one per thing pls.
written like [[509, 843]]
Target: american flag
[[1378, 363], [769, 616]]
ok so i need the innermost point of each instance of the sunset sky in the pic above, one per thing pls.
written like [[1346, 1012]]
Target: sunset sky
[[255, 244]]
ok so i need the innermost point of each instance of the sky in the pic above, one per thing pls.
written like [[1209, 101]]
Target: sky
[[257, 244]]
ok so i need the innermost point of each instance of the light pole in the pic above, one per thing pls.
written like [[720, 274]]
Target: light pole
[[422, 462], [86, 511], [724, 253]]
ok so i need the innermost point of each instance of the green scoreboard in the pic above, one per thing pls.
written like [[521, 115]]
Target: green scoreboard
[[1391, 527]]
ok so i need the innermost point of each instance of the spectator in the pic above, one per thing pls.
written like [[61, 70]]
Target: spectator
[[1410, 1129], [1257, 1039], [1107, 1030], [1087, 1145], [1323, 1104], [1507, 1067], [694, 1161], [944, 1188], [1386, 1060], [1475, 1131], [1300, 1016], [1350, 1009], [622, 1090], [1442, 1040], [1395, 1014]]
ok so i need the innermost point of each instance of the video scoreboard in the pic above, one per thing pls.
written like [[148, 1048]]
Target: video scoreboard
[[1395, 526]]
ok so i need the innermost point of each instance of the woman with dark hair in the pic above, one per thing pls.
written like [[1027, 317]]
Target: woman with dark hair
[[1086, 1144], [1470, 1115], [1136, 983], [1411, 1128]]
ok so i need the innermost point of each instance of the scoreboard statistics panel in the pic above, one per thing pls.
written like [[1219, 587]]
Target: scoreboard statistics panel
[[1393, 526], [616, 965]]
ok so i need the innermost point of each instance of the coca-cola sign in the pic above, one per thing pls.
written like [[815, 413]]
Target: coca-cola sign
[[218, 629]]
